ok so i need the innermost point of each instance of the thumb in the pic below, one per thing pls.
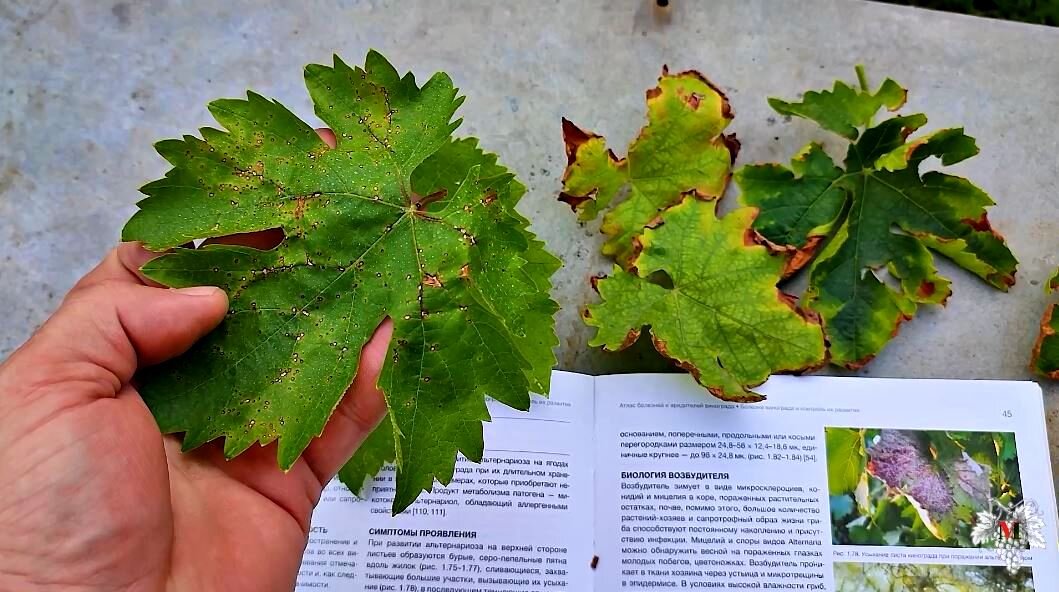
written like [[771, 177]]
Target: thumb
[[119, 326]]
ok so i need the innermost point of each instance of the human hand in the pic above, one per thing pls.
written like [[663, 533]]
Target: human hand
[[94, 497]]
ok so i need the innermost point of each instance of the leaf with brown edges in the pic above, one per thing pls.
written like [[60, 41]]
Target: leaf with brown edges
[[682, 148], [1045, 357], [707, 291]]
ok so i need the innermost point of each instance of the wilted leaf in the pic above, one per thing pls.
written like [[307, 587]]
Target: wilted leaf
[[1045, 357], [709, 296], [680, 149], [704, 286], [398, 220], [878, 216]]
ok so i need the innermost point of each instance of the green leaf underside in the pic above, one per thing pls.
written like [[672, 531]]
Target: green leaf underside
[[680, 149], [878, 215], [463, 279], [723, 319]]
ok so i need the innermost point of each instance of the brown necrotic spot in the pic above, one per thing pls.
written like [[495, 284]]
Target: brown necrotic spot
[[573, 138], [733, 144], [575, 201], [981, 224], [432, 281], [926, 289], [421, 202]]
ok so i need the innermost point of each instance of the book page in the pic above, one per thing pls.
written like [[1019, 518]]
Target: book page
[[845, 484], [519, 521]]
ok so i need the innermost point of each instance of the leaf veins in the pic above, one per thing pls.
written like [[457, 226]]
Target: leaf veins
[[398, 220]]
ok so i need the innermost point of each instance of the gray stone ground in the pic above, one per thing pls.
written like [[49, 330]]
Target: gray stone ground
[[87, 87]]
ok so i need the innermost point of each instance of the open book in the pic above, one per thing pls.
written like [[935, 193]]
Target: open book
[[645, 482]]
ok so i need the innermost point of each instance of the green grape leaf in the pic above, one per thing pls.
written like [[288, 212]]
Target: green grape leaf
[[682, 148], [1045, 357], [844, 109], [878, 219], [846, 459], [799, 205], [708, 293], [400, 221]]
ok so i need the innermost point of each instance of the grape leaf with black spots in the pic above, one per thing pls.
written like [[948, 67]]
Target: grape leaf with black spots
[[398, 220]]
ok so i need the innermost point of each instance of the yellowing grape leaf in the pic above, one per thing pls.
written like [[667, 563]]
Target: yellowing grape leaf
[[703, 285], [878, 216], [1045, 357], [398, 220], [680, 149], [708, 293]]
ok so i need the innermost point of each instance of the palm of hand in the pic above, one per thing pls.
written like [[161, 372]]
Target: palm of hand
[[95, 498], [102, 503]]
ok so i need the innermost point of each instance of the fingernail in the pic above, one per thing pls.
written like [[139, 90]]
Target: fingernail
[[200, 291]]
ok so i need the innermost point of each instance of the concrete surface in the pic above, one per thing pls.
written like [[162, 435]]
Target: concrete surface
[[87, 87]]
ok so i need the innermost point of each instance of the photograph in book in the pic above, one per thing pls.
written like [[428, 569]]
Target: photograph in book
[[917, 488], [906, 577]]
